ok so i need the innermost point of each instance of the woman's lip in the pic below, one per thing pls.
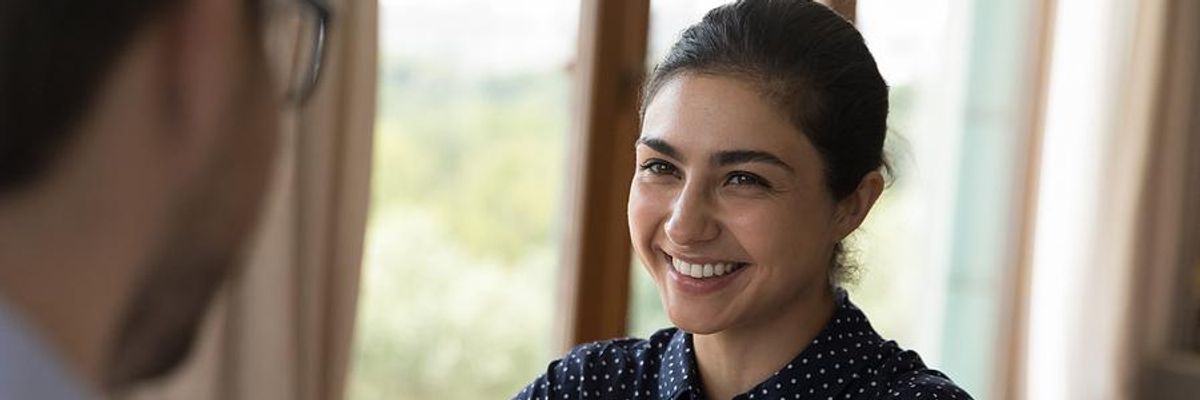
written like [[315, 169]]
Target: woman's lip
[[699, 286], [698, 260]]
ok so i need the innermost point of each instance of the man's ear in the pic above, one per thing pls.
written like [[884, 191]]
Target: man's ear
[[852, 210]]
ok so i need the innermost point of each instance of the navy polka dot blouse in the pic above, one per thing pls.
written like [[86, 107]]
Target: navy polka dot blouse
[[847, 360]]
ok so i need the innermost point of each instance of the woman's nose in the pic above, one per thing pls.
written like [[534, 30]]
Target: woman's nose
[[691, 220]]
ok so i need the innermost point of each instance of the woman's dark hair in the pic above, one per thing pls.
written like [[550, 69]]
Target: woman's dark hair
[[808, 60]]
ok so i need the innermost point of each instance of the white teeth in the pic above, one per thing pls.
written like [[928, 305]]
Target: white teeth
[[701, 270], [681, 267]]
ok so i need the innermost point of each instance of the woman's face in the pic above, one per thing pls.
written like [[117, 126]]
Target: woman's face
[[728, 208]]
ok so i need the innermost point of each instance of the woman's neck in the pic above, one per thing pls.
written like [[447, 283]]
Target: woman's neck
[[734, 360]]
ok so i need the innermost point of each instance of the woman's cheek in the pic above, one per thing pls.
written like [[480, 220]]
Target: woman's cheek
[[644, 213], [751, 222], [769, 232], [645, 209], [647, 202]]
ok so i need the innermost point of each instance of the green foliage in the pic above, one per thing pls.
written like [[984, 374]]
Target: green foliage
[[486, 154], [458, 288]]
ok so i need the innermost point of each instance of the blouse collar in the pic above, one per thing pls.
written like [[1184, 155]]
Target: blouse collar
[[837, 355]]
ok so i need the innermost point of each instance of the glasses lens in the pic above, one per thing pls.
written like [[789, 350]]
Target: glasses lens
[[289, 41], [305, 61]]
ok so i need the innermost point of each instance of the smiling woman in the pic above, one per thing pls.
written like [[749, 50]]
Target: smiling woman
[[692, 203], [761, 149]]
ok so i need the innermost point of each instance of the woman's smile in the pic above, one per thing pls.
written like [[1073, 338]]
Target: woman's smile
[[699, 276], [728, 209], [705, 270]]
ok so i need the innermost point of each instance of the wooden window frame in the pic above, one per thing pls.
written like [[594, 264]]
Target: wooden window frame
[[608, 72]]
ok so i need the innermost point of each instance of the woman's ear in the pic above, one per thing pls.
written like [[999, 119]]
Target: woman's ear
[[852, 210]]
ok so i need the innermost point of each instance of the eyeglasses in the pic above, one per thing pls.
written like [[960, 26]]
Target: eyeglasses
[[294, 40]]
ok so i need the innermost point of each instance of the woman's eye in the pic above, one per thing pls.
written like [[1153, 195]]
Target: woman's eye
[[658, 167], [742, 179]]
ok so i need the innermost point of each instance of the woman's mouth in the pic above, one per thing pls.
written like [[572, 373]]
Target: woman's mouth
[[704, 270], [701, 276]]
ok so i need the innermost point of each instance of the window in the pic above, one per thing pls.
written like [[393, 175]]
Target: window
[[938, 249], [459, 281]]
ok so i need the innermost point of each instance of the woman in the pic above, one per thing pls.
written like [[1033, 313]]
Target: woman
[[761, 149]]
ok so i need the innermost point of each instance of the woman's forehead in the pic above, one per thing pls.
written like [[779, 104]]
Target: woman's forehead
[[707, 113]]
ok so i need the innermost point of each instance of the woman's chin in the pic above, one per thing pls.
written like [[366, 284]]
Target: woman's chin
[[697, 320]]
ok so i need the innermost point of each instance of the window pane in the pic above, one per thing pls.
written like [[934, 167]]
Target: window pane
[[937, 248], [905, 243], [459, 280]]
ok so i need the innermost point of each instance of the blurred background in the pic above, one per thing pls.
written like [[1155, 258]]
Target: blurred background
[[1037, 240]]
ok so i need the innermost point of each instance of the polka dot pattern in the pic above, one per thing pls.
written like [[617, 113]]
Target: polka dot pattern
[[847, 360]]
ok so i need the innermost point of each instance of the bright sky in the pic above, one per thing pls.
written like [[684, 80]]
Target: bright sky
[[480, 36]]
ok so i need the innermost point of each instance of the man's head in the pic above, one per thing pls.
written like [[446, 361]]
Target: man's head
[[136, 138]]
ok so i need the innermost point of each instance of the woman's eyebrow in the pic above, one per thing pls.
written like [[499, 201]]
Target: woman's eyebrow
[[660, 146], [733, 157]]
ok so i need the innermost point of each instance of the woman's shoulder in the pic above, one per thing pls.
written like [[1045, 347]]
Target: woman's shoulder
[[929, 384], [628, 348], [905, 376], [615, 367]]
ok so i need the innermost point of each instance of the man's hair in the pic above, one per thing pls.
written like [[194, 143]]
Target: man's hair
[[54, 55]]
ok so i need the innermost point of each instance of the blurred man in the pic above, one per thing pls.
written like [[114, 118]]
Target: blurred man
[[136, 138]]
